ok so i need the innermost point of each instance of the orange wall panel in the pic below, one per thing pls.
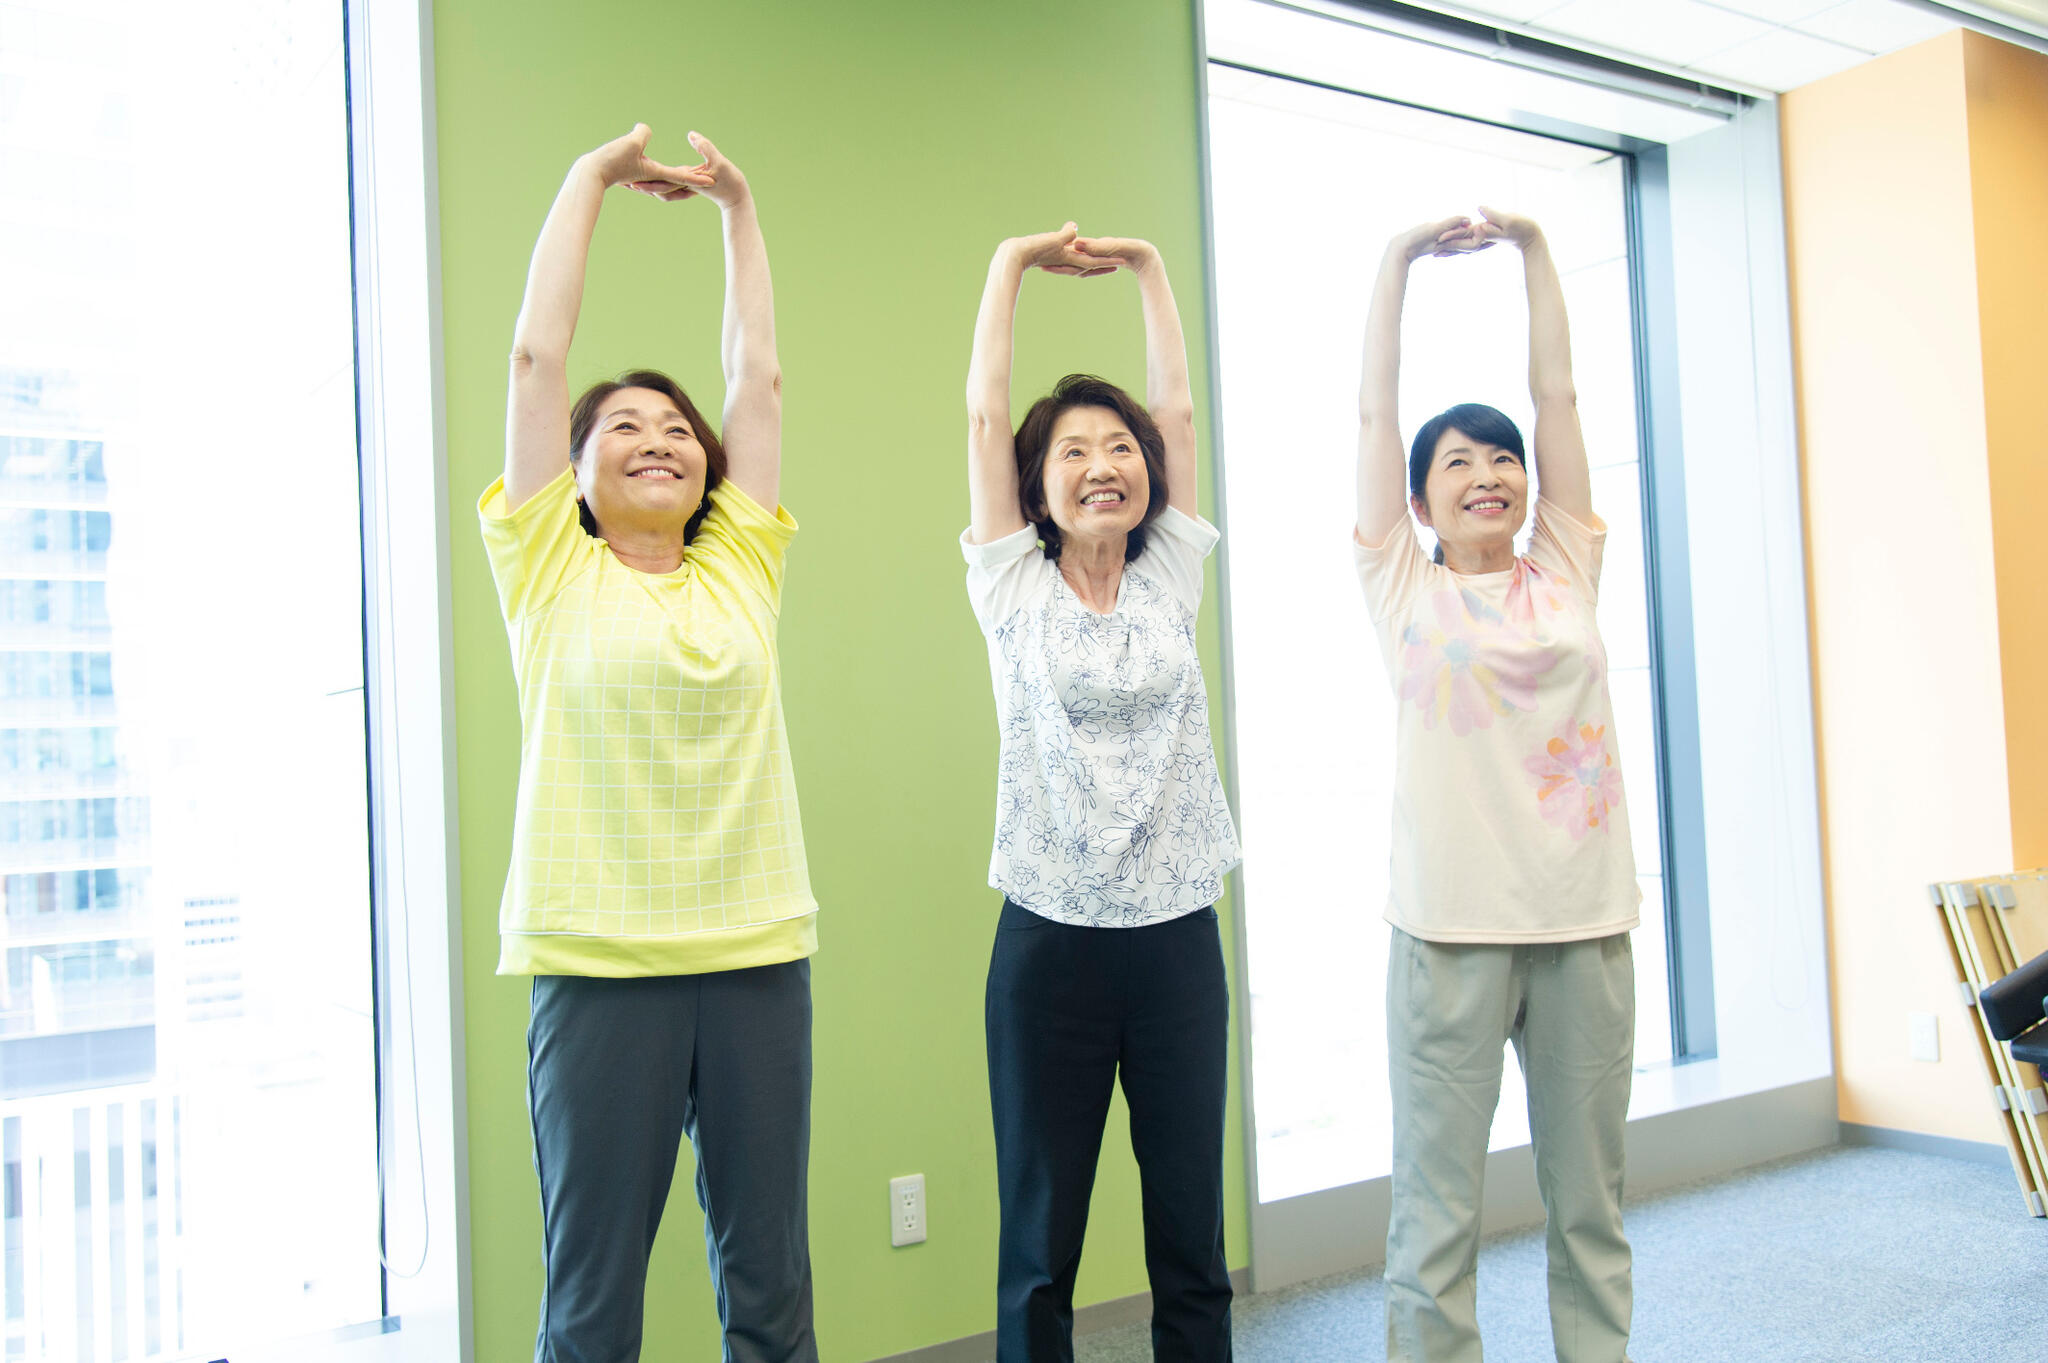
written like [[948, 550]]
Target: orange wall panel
[[1907, 685], [2007, 90]]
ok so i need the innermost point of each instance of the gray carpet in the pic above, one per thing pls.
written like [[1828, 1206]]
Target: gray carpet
[[1850, 1255]]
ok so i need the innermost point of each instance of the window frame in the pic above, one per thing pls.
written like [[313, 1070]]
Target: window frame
[[1688, 921], [409, 671]]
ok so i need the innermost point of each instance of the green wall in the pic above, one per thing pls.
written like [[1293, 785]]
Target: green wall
[[891, 145]]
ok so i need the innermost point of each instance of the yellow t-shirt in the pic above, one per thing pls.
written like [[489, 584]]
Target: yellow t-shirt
[[656, 830]]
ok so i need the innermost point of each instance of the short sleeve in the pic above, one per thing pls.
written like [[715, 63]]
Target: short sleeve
[[536, 549], [1003, 574], [1569, 550], [749, 542], [1175, 545], [1393, 572]]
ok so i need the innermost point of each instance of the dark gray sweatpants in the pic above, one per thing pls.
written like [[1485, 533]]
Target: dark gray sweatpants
[[618, 1071]]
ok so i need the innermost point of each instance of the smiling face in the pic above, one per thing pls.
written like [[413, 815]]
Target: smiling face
[[1476, 496], [1095, 480], [642, 466]]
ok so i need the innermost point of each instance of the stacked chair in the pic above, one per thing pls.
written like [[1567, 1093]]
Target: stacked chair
[[1997, 930]]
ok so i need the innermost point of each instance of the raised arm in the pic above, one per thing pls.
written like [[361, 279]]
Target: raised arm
[[752, 427], [1382, 462], [1167, 394], [993, 507], [1562, 476], [537, 404]]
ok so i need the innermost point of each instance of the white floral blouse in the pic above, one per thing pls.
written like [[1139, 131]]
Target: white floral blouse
[[1109, 810]]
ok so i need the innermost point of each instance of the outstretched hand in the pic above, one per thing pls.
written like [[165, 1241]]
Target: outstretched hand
[[624, 161], [1058, 253]]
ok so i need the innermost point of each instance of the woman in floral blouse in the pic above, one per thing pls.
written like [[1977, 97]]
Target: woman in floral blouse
[[1084, 566], [1513, 885]]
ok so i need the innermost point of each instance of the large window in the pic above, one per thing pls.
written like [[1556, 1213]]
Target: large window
[[1297, 245], [188, 1044]]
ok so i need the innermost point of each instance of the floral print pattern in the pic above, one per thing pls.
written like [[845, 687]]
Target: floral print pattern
[[1578, 782], [1452, 669], [1510, 817], [1109, 807]]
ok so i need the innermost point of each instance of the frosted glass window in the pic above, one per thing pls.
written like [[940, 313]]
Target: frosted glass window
[[187, 1062]]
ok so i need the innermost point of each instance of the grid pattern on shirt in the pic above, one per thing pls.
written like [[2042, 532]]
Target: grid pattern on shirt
[[656, 796]]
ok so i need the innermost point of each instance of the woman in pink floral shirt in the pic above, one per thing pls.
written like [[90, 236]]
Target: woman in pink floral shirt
[[1513, 886]]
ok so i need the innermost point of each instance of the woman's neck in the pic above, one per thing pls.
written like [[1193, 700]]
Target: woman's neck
[[1094, 568], [648, 551], [1479, 558]]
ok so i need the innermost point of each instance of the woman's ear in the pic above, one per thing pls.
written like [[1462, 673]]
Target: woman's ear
[[1420, 508]]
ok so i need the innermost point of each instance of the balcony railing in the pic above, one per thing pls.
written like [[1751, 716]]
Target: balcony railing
[[98, 1201], [26, 783], [23, 712], [75, 854], [91, 1005], [56, 636], [57, 926], [53, 564], [54, 493]]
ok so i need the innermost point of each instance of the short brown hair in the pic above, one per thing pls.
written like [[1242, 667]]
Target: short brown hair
[[583, 416], [1034, 440]]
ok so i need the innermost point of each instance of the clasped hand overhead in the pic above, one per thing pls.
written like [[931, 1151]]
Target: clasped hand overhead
[[1462, 236], [1067, 252], [624, 161]]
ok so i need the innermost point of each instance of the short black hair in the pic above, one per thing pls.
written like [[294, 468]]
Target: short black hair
[[1477, 421], [1034, 440], [583, 416], [1487, 425]]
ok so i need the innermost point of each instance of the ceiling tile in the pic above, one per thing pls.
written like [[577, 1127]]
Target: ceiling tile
[[1513, 11], [1875, 25], [1775, 11], [1675, 31], [1781, 60]]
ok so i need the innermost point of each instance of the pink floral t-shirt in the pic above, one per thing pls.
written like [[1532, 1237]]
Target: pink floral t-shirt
[[1509, 822]]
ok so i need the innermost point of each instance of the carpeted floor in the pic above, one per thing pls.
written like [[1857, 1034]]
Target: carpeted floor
[[1849, 1255]]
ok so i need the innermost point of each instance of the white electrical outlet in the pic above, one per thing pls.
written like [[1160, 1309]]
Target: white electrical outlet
[[1926, 1036], [906, 1210]]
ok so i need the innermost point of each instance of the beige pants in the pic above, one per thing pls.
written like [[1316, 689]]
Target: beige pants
[[1569, 1007]]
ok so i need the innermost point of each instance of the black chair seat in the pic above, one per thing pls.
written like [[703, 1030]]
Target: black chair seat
[[2032, 1046], [2015, 1003]]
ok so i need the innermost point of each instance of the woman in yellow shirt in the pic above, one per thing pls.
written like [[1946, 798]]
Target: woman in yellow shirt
[[658, 892]]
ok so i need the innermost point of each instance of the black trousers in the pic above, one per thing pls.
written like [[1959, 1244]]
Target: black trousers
[[618, 1072], [1070, 1011]]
